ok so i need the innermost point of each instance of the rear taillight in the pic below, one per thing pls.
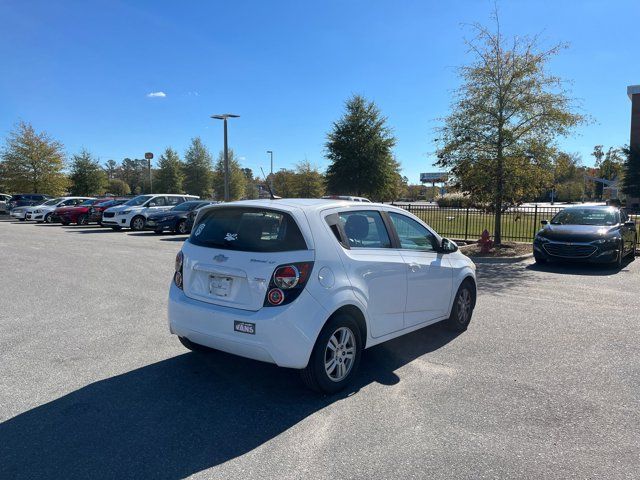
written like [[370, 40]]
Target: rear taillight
[[287, 282], [177, 276]]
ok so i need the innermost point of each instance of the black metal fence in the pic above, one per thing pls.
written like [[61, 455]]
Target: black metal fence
[[518, 223]]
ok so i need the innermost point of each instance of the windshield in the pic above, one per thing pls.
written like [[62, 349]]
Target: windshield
[[107, 203], [52, 202], [86, 203], [139, 200], [186, 206], [586, 216]]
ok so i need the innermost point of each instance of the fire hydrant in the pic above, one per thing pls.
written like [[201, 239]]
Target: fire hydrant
[[485, 242]]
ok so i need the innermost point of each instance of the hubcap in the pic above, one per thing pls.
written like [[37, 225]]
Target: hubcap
[[464, 305], [138, 224], [182, 227], [340, 354]]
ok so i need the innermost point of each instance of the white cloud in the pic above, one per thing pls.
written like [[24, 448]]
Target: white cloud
[[156, 95]]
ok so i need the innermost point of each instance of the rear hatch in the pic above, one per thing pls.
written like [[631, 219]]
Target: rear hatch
[[233, 251]]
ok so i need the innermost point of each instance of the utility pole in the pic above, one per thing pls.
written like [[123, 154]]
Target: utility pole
[[149, 156], [271, 176], [224, 118]]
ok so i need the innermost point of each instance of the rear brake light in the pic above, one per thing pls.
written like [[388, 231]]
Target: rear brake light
[[177, 276], [287, 282]]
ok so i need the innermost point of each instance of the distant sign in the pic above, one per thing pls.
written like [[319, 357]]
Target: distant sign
[[434, 177], [148, 156]]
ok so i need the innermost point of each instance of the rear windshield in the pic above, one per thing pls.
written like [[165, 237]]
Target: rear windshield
[[248, 230]]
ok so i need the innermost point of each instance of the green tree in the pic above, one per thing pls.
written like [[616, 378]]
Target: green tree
[[33, 162], [198, 176], [135, 172], [111, 169], [504, 119], [87, 176], [118, 187], [170, 176], [309, 182], [631, 178], [237, 178], [568, 178], [610, 165], [360, 151], [251, 187], [284, 183]]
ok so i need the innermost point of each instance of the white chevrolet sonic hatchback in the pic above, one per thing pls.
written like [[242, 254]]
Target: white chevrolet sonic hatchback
[[308, 284]]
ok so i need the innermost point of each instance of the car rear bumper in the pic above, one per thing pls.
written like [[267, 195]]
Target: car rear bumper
[[283, 335]]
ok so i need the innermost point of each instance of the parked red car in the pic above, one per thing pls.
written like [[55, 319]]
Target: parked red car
[[77, 214], [95, 211]]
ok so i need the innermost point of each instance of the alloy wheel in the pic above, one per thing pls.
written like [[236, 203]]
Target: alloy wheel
[[464, 306], [340, 354]]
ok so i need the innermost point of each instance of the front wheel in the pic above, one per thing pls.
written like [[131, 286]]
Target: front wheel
[[538, 259], [83, 220], [137, 223], [335, 357], [48, 218], [462, 308], [181, 228]]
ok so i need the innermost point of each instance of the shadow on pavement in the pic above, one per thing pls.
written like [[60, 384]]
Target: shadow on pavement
[[589, 269], [180, 416]]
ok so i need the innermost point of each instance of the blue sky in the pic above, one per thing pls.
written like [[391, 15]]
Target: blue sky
[[82, 70]]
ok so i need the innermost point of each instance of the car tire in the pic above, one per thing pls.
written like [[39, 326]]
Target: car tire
[[137, 223], [194, 347], [83, 220], [116, 228], [619, 261], [462, 309], [181, 227], [340, 337], [48, 218]]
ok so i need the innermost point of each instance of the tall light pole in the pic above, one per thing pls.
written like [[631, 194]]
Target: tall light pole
[[271, 176], [224, 118]]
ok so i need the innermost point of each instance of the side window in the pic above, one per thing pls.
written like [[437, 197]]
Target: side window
[[412, 235], [172, 201], [365, 229], [159, 201], [68, 202]]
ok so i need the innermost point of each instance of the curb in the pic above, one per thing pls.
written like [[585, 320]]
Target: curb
[[480, 260]]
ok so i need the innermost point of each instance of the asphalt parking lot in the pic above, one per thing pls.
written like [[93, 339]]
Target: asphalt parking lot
[[544, 384]]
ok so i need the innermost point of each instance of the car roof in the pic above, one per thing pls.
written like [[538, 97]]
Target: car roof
[[599, 207], [306, 204]]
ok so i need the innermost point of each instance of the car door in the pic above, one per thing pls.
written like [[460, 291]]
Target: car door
[[156, 204], [377, 272], [429, 273]]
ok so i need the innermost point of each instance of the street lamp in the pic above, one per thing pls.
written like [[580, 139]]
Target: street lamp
[[271, 177], [224, 118]]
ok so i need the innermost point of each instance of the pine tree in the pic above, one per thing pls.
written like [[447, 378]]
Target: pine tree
[[33, 162], [197, 170], [87, 176], [360, 151], [169, 176]]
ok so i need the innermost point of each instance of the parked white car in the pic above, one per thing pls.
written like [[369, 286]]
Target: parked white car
[[44, 213], [133, 214], [308, 284], [4, 198]]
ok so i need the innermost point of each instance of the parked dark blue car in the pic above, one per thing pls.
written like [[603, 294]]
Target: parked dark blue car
[[177, 220]]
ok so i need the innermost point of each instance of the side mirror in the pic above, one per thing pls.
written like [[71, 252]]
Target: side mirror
[[544, 222], [448, 246]]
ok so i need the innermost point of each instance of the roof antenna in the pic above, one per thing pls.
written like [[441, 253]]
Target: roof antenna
[[273, 197]]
